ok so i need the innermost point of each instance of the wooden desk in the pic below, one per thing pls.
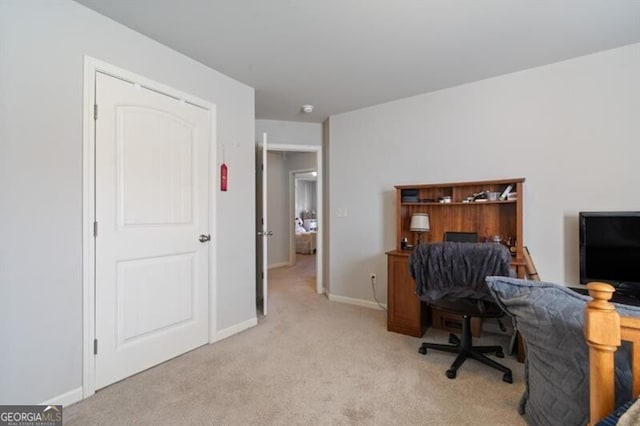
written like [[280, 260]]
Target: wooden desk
[[406, 314]]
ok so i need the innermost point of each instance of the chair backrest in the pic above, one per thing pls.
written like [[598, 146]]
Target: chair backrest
[[457, 270], [460, 237]]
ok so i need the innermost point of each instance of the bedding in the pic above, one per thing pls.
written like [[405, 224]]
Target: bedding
[[305, 242], [626, 415], [630, 416], [550, 319]]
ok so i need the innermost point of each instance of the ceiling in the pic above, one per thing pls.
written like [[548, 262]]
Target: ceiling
[[341, 55]]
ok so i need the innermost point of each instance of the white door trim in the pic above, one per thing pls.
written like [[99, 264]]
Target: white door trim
[[319, 195], [91, 67]]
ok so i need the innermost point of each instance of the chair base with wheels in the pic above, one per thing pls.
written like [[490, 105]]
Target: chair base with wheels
[[464, 346]]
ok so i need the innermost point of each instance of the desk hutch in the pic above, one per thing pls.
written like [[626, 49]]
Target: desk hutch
[[450, 208]]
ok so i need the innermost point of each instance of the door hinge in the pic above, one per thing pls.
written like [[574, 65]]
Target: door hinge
[[95, 111], [95, 346], [95, 229], [263, 275]]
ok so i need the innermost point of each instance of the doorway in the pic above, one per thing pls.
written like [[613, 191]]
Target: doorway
[[299, 161], [303, 208]]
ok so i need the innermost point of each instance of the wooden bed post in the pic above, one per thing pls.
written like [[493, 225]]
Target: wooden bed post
[[602, 332]]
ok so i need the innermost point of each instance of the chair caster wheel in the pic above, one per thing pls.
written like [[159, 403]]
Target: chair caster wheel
[[453, 339], [500, 354], [507, 378], [452, 374], [422, 350]]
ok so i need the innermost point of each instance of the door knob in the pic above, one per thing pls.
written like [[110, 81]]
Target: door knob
[[204, 238]]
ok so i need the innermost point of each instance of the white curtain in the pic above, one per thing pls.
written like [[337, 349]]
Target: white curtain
[[305, 199]]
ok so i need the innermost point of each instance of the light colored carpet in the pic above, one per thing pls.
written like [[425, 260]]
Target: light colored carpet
[[310, 362]]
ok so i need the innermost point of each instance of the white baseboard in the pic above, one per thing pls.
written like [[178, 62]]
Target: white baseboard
[[66, 398], [278, 265], [357, 302], [235, 329]]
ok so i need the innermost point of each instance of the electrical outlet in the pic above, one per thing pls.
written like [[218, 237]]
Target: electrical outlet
[[372, 276]]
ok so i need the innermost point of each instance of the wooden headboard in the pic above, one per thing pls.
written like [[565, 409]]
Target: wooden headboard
[[604, 331]]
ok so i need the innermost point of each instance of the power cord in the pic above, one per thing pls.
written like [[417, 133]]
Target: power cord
[[373, 286]]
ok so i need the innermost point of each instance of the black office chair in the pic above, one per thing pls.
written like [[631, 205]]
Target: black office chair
[[467, 237], [451, 277]]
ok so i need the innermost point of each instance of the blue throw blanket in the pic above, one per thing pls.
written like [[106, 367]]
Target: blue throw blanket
[[457, 270]]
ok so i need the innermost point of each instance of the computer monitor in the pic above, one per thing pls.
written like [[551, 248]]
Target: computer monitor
[[460, 237]]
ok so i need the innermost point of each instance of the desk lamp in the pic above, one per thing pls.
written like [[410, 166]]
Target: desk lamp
[[419, 224]]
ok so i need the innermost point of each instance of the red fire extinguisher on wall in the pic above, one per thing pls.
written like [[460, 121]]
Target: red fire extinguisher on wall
[[224, 170], [223, 177]]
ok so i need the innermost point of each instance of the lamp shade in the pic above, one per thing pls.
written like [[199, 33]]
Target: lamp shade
[[419, 222]]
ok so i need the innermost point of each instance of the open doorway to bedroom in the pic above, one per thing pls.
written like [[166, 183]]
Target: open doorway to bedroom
[[303, 192], [294, 202]]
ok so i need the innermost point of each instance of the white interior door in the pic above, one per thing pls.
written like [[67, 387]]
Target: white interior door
[[263, 229], [152, 209]]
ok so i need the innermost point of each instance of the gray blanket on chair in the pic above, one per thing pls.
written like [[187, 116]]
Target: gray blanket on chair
[[457, 270]]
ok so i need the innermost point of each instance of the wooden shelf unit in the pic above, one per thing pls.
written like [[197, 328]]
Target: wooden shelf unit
[[487, 218], [406, 313]]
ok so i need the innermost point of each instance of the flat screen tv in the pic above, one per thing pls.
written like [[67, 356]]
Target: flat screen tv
[[610, 249]]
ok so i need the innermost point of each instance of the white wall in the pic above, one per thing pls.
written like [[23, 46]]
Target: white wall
[[278, 209], [289, 132], [42, 44], [301, 161], [572, 129]]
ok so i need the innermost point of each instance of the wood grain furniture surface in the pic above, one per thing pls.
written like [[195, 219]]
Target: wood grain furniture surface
[[503, 218], [605, 330]]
